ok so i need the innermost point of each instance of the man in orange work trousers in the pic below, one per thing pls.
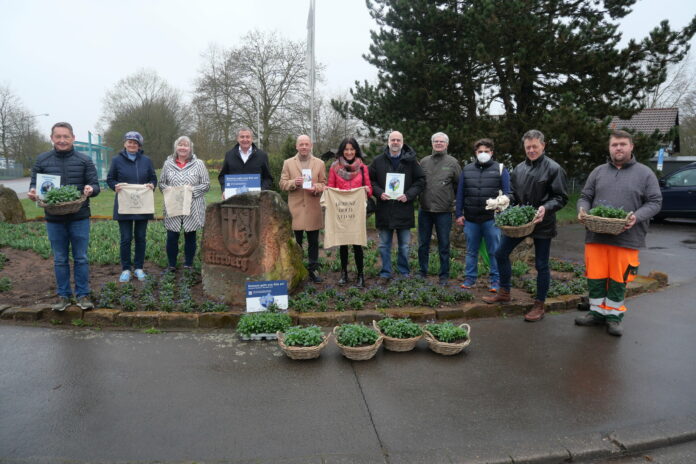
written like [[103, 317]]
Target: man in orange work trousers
[[611, 261]]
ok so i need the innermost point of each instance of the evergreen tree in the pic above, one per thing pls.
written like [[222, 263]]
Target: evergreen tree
[[554, 65]]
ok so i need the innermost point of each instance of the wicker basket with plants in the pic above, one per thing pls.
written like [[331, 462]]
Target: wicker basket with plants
[[446, 338], [62, 201], [302, 342], [357, 341], [516, 221], [605, 219], [399, 334]]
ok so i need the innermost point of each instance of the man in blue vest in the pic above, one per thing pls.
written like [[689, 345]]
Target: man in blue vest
[[479, 181]]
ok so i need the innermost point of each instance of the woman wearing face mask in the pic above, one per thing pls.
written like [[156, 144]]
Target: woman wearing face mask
[[131, 166], [479, 181], [346, 173], [183, 168]]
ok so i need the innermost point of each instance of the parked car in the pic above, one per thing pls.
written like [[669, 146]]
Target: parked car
[[679, 194]]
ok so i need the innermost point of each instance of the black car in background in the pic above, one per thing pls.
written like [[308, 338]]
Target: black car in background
[[679, 194]]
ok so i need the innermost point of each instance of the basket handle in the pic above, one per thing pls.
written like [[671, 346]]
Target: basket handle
[[376, 327], [281, 338], [466, 327]]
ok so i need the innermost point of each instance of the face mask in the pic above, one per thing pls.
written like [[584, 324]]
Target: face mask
[[483, 158]]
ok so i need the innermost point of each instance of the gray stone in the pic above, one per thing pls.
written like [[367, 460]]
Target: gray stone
[[11, 210], [249, 237]]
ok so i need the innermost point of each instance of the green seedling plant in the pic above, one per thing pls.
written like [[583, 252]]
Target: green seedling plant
[[447, 332], [5, 284], [3, 260], [400, 328], [607, 211], [63, 194], [263, 323], [304, 336], [152, 331], [515, 216], [79, 323], [356, 335]]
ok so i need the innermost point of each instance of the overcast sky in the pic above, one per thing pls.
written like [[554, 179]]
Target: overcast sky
[[60, 57]]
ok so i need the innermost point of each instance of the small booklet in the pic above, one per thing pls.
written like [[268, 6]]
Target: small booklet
[[261, 295], [394, 185], [46, 182], [241, 183], [306, 178]]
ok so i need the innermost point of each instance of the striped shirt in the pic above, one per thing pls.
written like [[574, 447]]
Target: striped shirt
[[195, 174]]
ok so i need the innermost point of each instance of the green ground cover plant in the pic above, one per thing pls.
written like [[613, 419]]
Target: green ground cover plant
[[3, 260], [356, 335], [447, 332], [399, 328], [515, 216], [263, 323], [63, 194], [607, 211], [5, 284], [304, 336]]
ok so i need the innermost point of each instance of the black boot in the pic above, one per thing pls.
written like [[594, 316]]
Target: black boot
[[360, 283], [344, 277], [314, 277]]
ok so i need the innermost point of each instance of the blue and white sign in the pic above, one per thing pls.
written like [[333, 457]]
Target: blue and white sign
[[241, 183], [260, 295], [660, 159]]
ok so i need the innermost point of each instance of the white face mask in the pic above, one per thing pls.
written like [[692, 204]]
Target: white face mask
[[483, 158]]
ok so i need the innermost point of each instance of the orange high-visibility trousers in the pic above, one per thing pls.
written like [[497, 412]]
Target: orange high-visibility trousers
[[608, 269]]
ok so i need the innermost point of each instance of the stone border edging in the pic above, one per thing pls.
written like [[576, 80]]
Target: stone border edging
[[105, 317]]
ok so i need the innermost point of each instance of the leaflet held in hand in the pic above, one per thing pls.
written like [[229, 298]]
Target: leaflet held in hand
[[394, 185], [241, 183], [307, 179], [46, 182]]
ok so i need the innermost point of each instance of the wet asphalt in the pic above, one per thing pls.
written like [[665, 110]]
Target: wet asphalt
[[543, 392]]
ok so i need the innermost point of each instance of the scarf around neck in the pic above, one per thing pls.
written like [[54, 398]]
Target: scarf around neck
[[346, 170]]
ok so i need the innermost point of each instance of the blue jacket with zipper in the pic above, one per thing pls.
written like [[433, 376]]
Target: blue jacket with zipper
[[123, 170]]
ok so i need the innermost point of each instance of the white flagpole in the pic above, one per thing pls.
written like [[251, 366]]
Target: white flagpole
[[310, 66]]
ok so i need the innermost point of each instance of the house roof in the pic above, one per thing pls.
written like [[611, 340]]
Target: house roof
[[648, 120]]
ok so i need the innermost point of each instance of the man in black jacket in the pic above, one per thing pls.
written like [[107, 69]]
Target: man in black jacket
[[69, 230], [540, 182], [246, 158], [395, 214]]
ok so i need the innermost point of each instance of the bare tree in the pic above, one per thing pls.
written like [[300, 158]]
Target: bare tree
[[146, 103], [679, 90], [20, 139], [264, 79]]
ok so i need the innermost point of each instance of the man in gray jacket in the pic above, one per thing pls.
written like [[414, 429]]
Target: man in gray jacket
[[436, 201], [611, 261]]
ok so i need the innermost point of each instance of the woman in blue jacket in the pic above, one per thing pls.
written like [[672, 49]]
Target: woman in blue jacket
[[131, 166]]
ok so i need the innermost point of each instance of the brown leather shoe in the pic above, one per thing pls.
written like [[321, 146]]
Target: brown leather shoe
[[536, 313], [503, 296]]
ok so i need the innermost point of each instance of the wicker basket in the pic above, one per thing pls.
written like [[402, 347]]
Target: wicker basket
[[517, 231], [602, 225], [61, 209], [359, 353], [448, 349], [397, 344], [301, 352]]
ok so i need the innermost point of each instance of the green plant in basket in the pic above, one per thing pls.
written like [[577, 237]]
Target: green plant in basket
[[516, 216], [263, 323], [400, 328], [304, 336], [447, 332], [606, 211], [62, 195], [356, 335]]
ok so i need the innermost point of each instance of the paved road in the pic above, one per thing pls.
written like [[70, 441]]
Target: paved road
[[21, 186], [529, 392]]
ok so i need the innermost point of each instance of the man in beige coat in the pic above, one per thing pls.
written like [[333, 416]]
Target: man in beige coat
[[304, 178]]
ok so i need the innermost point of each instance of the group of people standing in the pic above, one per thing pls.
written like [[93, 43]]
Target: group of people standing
[[473, 193]]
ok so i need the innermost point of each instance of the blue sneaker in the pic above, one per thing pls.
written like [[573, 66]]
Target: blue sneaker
[[140, 274], [494, 287], [468, 284], [125, 276]]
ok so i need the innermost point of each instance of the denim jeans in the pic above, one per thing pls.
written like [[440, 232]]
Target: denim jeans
[[312, 248], [63, 236], [385, 243], [491, 234], [173, 247], [542, 251], [443, 225], [129, 230]]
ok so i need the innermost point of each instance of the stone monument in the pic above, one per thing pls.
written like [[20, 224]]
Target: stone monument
[[11, 209], [248, 237]]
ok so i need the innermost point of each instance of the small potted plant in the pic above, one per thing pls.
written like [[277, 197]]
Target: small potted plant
[[446, 338], [604, 219], [516, 221], [63, 200], [357, 341], [399, 334], [262, 325], [302, 342]]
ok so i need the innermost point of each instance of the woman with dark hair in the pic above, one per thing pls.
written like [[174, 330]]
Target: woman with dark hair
[[346, 173]]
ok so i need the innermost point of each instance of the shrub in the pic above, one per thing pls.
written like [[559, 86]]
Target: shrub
[[447, 332], [263, 322], [400, 328], [356, 335], [304, 336]]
